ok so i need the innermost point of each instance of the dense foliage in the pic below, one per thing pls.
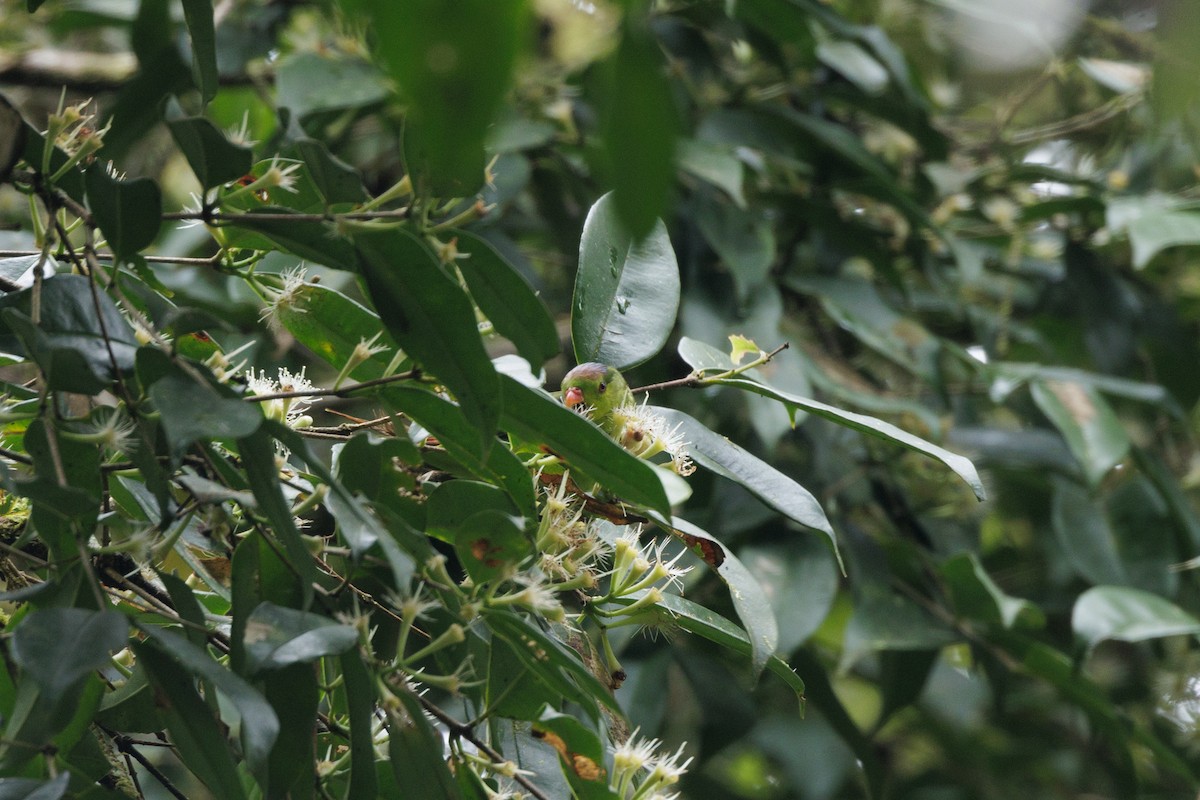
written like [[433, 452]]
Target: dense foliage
[[292, 506]]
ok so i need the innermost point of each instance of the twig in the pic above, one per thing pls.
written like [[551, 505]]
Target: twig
[[218, 217], [697, 380], [206, 261], [465, 731], [126, 745], [341, 392]]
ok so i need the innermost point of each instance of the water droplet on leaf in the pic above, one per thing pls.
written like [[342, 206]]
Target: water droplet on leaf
[[622, 304]]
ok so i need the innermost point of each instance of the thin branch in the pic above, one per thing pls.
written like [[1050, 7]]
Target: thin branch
[[341, 392], [465, 731], [217, 217], [696, 381], [206, 261], [126, 745]]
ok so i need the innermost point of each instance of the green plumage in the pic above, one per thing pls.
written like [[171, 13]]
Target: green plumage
[[601, 390]]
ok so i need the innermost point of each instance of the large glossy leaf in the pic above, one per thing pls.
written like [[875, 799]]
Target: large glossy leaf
[[640, 126], [507, 299], [961, 465], [81, 343], [127, 211], [714, 452], [360, 704], [977, 597], [309, 82], [431, 317], [191, 406], [1128, 615], [278, 637], [453, 63], [535, 417], [626, 291], [337, 181], [744, 239], [211, 155], [1092, 430], [1153, 232]]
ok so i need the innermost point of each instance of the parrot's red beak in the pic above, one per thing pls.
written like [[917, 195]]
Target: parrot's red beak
[[573, 397]]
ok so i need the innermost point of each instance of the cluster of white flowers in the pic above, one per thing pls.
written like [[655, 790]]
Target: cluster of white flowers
[[639, 771], [289, 410], [645, 433]]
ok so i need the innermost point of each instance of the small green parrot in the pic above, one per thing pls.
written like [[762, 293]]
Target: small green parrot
[[600, 390]]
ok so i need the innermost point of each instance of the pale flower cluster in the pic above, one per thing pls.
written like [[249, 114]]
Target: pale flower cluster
[[639, 771]]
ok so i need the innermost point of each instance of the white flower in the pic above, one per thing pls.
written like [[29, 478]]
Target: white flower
[[288, 410], [240, 135], [280, 177], [645, 433], [289, 296]]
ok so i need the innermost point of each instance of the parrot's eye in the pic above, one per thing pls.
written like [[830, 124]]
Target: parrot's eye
[[602, 387]]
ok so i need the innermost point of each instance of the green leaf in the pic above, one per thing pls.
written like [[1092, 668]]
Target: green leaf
[[716, 453], [81, 341], [259, 725], [507, 299], [201, 28], [535, 417], [640, 126], [28, 788], [960, 465], [884, 620], [453, 64], [211, 155], [715, 164], [697, 619], [194, 730], [977, 597], [1093, 432], [446, 421], [490, 544], [855, 64], [258, 459], [432, 319], [295, 696], [129, 212], [278, 637], [63, 514], [749, 600], [307, 83], [626, 291], [454, 502], [581, 754], [800, 578], [1085, 533], [312, 241], [744, 239], [555, 664], [1128, 615], [56, 649], [332, 325], [337, 181], [360, 707], [1158, 230], [193, 407], [416, 753]]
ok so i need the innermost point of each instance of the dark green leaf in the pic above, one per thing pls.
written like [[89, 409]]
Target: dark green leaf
[[432, 319], [871, 426], [800, 578], [886, 621], [62, 514], [259, 725], [337, 181], [58, 647], [507, 299], [640, 126], [278, 637], [535, 417], [194, 408], [193, 728], [360, 704], [81, 342], [199, 17], [129, 212], [1128, 615], [1092, 430], [416, 752], [744, 239], [258, 458], [312, 241], [581, 754], [977, 597], [453, 64], [626, 291], [714, 452], [295, 696], [213, 158]]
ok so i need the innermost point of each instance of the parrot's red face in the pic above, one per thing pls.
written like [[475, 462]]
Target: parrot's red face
[[573, 397]]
